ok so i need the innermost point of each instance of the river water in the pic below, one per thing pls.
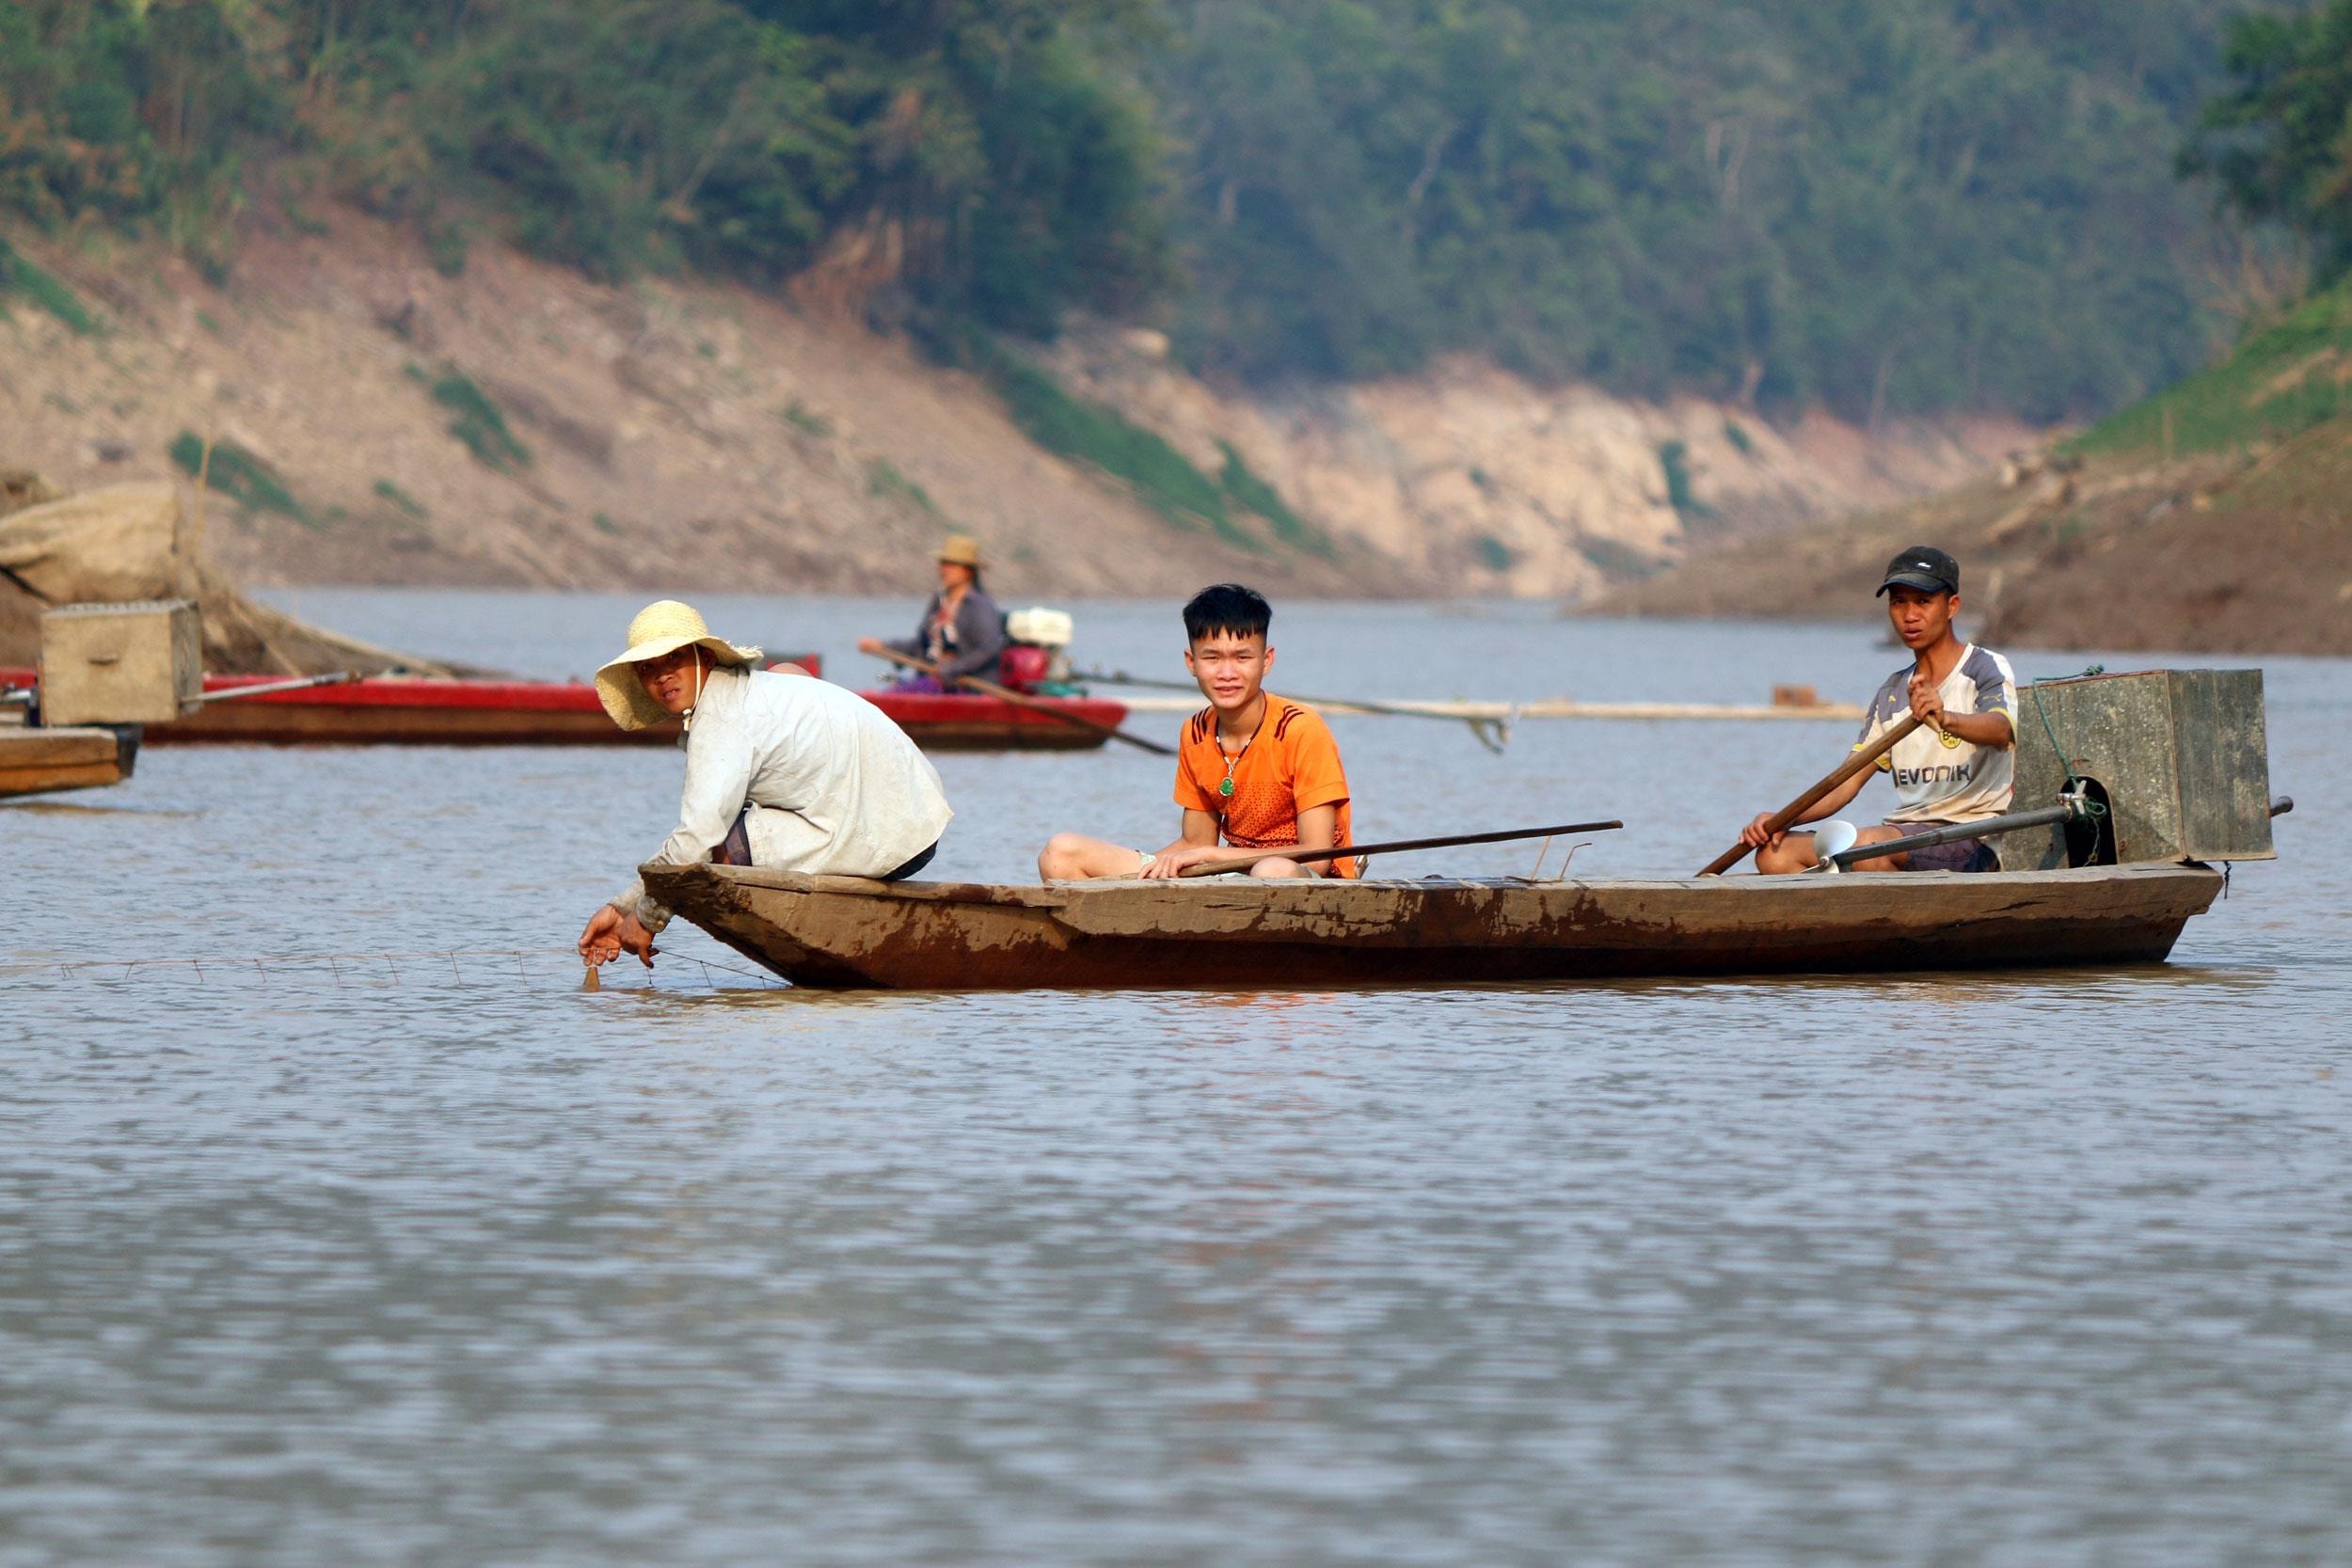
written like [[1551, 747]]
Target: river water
[[326, 1249]]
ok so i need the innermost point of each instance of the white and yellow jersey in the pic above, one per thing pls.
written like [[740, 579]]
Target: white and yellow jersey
[[1942, 777]]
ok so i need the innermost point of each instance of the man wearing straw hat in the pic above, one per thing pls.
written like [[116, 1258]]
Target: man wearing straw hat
[[781, 770], [963, 631]]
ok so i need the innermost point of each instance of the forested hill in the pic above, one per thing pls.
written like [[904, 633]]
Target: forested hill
[[1907, 204], [1878, 206], [2209, 518]]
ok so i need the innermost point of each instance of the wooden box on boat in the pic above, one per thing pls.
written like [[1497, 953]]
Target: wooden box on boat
[[139, 663], [2179, 756], [853, 932]]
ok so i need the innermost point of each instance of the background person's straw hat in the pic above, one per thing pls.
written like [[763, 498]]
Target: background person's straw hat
[[961, 550], [659, 628]]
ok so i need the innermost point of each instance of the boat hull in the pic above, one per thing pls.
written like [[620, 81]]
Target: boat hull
[[39, 761], [852, 932], [391, 710]]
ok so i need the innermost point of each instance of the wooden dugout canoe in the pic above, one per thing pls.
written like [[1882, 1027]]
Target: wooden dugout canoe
[[418, 710], [36, 761], [850, 932]]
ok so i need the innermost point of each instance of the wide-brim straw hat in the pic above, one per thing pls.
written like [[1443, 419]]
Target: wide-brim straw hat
[[659, 628], [961, 550]]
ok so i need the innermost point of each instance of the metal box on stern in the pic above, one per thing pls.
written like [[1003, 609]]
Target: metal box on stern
[[2179, 758]]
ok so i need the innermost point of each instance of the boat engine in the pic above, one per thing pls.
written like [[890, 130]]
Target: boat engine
[[1037, 651]]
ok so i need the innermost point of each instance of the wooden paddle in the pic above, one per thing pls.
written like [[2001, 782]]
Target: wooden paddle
[[1006, 694], [1395, 847], [1780, 819]]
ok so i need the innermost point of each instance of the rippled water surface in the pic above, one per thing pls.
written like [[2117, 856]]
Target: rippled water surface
[[323, 1249]]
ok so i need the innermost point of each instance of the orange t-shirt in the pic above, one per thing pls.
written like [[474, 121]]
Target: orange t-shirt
[[1291, 765]]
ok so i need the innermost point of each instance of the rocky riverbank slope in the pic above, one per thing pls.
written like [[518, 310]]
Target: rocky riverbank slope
[[359, 417], [2212, 519]]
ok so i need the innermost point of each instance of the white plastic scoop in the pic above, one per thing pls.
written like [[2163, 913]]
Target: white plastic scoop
[[1831, 839]]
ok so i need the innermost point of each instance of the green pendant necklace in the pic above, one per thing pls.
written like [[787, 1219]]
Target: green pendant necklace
[[1225, 786]]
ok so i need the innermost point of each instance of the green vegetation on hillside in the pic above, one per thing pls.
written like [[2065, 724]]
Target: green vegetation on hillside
[[1245, 489], [239, 475], [402, 498], [975, 153], [2279, 142], [1885, 206], [479, 424], [51, 293], [2275, 145], [2282, 379], [882, 478], [1101, 438]]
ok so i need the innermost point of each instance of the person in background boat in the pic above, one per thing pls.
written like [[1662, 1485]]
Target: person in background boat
[[1254, 770], [1959, 767], [781, 771], [961, 630]]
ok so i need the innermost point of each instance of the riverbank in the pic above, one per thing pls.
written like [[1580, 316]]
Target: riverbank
[[374, 419], [2238, 553], [2209, 518]]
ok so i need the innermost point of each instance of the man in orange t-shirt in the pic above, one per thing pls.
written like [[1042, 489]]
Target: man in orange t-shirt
[[1253, 770]]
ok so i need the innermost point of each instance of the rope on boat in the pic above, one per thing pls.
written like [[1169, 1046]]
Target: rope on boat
[[119, 970], [2093, 811]]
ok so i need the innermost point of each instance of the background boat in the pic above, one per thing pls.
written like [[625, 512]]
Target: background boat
[[421, 710]]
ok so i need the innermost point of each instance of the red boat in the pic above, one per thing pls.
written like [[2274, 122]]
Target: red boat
[[419, 710]]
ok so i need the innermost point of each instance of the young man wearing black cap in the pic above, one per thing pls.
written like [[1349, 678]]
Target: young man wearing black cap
[[1957, 767]]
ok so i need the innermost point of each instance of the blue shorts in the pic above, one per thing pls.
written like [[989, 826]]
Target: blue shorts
[[1961, 854]]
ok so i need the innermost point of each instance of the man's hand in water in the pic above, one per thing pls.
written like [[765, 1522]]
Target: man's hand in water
[[610, 932]]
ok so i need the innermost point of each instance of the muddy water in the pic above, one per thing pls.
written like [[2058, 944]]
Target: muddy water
[[324, 1249]]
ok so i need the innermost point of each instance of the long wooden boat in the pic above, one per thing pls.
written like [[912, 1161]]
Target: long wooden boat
[[417, 710], [846, 932], [36, 761]]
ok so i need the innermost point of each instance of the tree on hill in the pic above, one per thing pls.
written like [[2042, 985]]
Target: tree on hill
[[2277, 142], [1007, 174], [1883, 206]]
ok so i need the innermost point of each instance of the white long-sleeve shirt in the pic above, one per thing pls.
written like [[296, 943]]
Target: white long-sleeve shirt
[[834, 785]]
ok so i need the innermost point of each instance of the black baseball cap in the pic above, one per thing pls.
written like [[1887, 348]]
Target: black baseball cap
[[1923, 566]]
